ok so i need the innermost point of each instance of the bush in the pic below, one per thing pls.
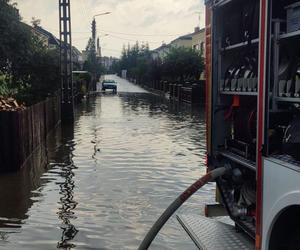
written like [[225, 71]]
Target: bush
[[5, 88]]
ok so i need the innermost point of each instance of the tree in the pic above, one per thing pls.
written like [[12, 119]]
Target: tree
[[92, 64], [180, 64], [183, 63], [35, 22], [29, 68], [14, 39]]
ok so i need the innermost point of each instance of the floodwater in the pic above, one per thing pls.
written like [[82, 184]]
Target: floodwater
[[102, 183]]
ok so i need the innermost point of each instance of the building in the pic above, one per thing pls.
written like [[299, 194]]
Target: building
[[47, 38], [161, 52], [77, 58], [51, 42], [195, 40], [182, 41], [198, 40]]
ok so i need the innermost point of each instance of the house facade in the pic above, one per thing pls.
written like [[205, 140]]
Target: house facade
[[195, 40], [47, 38]]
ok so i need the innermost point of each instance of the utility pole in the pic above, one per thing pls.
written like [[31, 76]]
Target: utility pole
[[99, 59], [94, 34], [67, 88], [95, 48], [94, 74], [98, 47]]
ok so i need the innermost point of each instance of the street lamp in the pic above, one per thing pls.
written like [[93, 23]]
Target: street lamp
[[101, 14], [94, 26], [94, 40]]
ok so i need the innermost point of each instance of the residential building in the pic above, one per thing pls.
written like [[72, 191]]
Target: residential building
[[182, 41], [195, 40], [77, 58], [47, 38], [51, 42], [161, 52], [198, 40]]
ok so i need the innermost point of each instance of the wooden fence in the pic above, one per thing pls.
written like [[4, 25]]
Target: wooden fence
[[21, 132], [188, 92]]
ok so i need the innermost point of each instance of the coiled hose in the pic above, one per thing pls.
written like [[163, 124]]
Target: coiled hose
[[178, 202]]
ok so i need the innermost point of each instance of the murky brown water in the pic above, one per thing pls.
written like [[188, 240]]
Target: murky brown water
[[102, 184]]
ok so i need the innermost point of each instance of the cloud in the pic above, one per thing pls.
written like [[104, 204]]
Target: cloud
[[160, 18]]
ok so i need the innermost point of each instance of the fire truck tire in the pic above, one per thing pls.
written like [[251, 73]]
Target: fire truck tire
[[285, 233], [294, 243]]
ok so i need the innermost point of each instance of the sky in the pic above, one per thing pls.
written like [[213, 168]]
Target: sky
[[152, 21]]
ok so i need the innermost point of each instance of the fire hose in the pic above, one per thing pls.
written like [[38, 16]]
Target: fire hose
[[178, 202]]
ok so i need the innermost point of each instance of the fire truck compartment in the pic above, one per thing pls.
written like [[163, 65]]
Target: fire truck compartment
[[210, 234]]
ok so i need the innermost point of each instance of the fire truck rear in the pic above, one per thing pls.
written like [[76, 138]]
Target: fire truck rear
[[253, 116]]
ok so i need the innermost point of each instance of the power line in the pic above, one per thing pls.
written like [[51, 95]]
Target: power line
[[132, 40], [130, 34], [115, 50], [80, 39], [127, 34]]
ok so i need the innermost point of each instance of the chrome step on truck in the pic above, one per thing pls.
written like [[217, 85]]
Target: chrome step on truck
[[210, 234]]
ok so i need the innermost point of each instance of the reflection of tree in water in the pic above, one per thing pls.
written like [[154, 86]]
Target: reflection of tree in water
[[3, 236], [67, 202]]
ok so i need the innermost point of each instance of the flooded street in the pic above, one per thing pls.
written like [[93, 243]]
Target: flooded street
[[103, 183]]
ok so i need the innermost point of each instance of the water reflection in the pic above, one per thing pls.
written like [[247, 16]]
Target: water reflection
[[66, 212], [102, 183], [16, 193], [17, 190]]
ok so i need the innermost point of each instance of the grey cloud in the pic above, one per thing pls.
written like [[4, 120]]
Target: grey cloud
[[128, 16], [149, 20]]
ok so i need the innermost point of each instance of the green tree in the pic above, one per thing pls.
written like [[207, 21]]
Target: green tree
[[92, 64], [180, 64], [183, 63], [30, 69]]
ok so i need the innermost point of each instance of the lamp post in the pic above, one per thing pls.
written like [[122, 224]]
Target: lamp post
[[94, 26], [94, 41]]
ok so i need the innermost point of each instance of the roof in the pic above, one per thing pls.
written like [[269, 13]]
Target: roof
[[76, 51], [163, 46], [52, 38], [184, 37]]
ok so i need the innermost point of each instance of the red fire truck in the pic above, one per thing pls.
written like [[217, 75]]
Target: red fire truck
[[253, 128], [253, 122]]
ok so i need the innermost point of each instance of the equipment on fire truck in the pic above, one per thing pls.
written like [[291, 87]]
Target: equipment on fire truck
[[289, 78], [242, 25], [293, 17], [291, 140], [241, 76]]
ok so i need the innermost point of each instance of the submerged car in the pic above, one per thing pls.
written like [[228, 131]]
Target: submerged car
[[109, 84]]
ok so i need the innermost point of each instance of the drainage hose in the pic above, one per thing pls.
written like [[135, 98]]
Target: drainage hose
[[178, 202]]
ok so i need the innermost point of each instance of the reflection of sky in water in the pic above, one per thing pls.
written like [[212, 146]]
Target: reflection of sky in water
[[129, 157]]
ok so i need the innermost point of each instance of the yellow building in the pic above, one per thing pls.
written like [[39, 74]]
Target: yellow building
[[195, 40], [198, 40]]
